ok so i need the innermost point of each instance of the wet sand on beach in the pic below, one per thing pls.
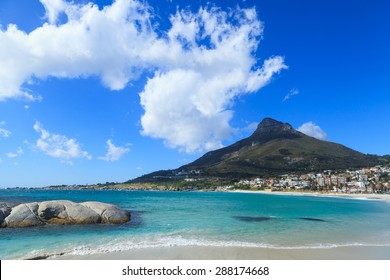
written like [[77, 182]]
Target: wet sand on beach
[[368, 196], [241, 253]]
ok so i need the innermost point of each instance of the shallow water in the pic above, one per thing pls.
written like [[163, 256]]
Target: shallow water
[[198, 218]]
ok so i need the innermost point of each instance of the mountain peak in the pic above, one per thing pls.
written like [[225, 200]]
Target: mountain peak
[[268, 125]]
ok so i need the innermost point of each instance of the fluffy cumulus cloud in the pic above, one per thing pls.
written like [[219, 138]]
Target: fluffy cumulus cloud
[[58, 146], [197, 67], [19, 152], [4, 133], [92, 42], [210, 63], [313, 130], [114, 153], [53, 9]]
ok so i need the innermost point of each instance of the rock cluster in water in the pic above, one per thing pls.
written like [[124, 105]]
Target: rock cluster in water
[[60, 212]]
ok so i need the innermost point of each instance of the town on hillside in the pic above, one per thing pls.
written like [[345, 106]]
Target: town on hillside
[[366, 180]]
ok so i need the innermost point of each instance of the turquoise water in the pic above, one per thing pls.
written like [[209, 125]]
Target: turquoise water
[[198, 218]]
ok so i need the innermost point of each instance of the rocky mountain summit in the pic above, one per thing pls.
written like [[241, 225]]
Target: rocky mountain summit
[[60, 212], [269, 125]]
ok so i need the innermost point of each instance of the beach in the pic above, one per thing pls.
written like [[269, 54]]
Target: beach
[[240, 253], [362, 196]]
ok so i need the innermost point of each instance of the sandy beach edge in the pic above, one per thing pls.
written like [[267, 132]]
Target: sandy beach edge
[[360, 196], [240, 253]]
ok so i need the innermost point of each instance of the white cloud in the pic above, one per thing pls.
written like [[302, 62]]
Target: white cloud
[[198, 67], [189, 104], [19, 152], [53, 9], [175, 112], [313, 130], [105, 43], [292, 92], [58, 146], [250, 128], [113, 152], [4, 132]]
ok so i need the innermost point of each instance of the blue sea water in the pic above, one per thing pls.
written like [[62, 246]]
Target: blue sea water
[[201, 218]]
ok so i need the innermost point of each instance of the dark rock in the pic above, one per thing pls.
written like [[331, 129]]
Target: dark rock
[[2, 217], [269, 125], [5, 210], [312, 219], [252, 219]]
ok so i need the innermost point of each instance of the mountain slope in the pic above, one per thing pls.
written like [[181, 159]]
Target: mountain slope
[[276, 148]]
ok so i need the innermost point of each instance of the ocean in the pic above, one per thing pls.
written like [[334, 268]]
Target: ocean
[[164, 219]]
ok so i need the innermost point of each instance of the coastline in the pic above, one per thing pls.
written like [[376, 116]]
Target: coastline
[[240, 253], [360, 196]]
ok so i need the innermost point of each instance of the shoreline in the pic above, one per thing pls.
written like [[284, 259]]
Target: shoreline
[[358, 196], [239, 253]]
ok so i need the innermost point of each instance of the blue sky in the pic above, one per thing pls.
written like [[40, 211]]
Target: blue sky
[[111, 90]]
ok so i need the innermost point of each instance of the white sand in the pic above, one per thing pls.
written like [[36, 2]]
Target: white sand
[[385, 197], [240, 253]]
